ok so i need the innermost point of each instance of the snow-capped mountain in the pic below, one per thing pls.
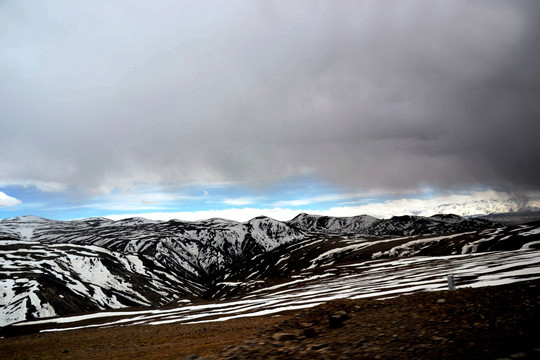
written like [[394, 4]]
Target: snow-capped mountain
[[62, 267], [41, 280], [55, 267]]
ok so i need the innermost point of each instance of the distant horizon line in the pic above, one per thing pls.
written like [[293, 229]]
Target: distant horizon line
[[130, 217]]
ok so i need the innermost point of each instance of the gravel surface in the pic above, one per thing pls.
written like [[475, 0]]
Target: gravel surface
[[500, 322]]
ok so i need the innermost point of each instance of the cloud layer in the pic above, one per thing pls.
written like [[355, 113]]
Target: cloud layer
[[385, 95], [475, 203]]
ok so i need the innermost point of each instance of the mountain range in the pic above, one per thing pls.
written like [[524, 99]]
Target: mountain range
[[52, 268]]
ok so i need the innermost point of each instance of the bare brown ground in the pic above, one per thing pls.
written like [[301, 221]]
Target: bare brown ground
[[484, 323], [172, 341]]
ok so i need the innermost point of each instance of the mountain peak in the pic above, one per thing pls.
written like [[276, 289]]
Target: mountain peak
[[27, 219]]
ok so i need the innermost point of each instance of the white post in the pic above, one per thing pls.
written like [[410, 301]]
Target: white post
[[451, 283]]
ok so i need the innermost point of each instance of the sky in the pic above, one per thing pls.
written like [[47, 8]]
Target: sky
[[190, 110]]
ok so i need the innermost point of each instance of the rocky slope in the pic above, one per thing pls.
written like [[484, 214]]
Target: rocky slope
[[484, 323], [499, 322]]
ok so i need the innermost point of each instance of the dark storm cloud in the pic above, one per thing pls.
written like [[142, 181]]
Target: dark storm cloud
[[381, 94]]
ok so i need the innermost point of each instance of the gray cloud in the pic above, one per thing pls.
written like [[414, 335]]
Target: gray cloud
[[373, 94]]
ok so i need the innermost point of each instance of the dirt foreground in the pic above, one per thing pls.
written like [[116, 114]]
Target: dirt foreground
[[485, 323], [171, 341]]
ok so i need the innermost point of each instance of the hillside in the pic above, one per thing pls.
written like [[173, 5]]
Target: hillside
[[483, 323]]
